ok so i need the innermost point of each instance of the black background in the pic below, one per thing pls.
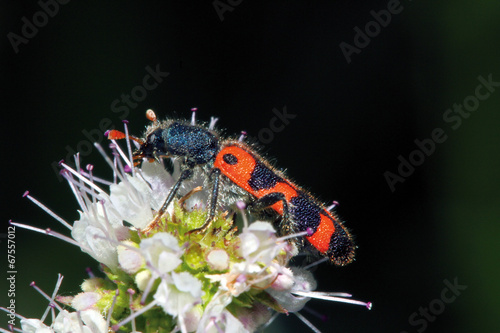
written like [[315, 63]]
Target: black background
[[352, 122]]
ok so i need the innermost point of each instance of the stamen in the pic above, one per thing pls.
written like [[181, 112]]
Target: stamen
[[147, 290], [242, 136], [193, 116], [90, 272], [116, 158], [85, 189], [241, 206], [52, 312], [120, 151], [315, 313], [135, 196], [89, 168], [52, 299], [51, 233], [40, 291], [47, 210], [131, 293], [79, 176], [134, 315], [10, 326], [96, 179], [296, 235], [332, 206], [80, 321], [307, 322], [112, 307], [270, 321], [213, 120], [219, 329], [115, 170], [317, 262], [110, 163], [76, 157], [327, 297], [15, 314], [107, 224], [129, 148], [66, 175]]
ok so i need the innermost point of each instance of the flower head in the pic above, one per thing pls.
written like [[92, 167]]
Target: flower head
[[159, 274]]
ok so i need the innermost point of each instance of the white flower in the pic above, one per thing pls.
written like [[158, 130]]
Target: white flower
[[142, 279], [69, 322], [159, 280], [34, 326], [136, 198], [259, 243], [284, 279], [85, 301], [130, 260], [231, 324], [96, 232], [218, 259], [162, 252], [179, 298], [216, 315], [132, 198], [303, 281]]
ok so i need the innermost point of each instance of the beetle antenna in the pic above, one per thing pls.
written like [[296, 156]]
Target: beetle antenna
[[118, 135]]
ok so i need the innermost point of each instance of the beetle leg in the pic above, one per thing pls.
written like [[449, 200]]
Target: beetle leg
[[212, 206], [187, 173], [270, 199]]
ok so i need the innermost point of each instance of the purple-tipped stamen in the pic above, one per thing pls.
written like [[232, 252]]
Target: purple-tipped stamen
[[241, 206], [315, 313], [90, 272], [54, 295], [328, 297], [130, 159], [79, 176], [41, 292], [48, 231], [112, 307], [193, 116], [133, 316], [213, 120], [219, 329], [316, 263], [242, 136], [307, 322], [47, 210], [332, 206]]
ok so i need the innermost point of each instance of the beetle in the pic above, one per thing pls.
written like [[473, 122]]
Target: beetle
[[235, 167]]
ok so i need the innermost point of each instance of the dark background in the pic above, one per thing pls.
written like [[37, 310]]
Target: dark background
[[352, 122]]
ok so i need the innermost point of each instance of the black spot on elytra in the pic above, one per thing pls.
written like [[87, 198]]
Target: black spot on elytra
[[230, 159], [305, 212], [263, 178]]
